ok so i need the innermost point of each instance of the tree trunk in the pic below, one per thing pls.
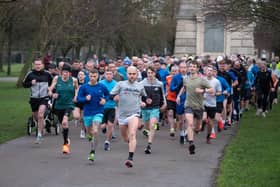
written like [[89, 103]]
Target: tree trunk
[[77, 52], [1, 56], [89, 53], [9, 47]]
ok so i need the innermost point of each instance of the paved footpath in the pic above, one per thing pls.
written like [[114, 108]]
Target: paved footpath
[[8, 79], [24, 164]]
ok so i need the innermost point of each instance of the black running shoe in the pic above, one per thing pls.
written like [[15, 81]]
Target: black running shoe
[[192, 149], [128, 163], [148, 150]]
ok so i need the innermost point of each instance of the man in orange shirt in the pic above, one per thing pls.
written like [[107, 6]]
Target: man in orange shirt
[[171, 100]]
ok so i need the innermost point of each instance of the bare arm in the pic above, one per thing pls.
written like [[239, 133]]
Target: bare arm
[[182, 90], [51, 88], [76, 86]]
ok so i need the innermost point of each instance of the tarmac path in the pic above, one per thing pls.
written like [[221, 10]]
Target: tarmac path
[[25, 164], [8, 79]]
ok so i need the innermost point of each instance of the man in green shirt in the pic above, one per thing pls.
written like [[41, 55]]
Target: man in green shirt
[[195, 87]]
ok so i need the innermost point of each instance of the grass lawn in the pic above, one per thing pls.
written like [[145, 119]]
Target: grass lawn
[[15, 70], [253, 157], [14, 110]]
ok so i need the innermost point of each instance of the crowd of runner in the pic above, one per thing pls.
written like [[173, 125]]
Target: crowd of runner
[[188, 95]]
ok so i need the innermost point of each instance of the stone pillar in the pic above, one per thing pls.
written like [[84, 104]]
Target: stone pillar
[[199, 35]]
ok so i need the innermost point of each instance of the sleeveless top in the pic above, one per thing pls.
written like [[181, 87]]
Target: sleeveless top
[[66, 93]]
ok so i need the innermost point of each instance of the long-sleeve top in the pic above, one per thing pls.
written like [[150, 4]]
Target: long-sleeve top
[[154, 91], [263, 81], [97, 92], [225, 86], [43, 81], [176, 85]]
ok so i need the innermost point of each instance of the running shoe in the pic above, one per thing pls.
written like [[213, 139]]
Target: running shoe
[[263, 114], [259, 111], [107, 146], [82, 134], [213, 135], [172, 132], [129, 163], [148, 150], [114, 137], [192, 149], [220, 126], [38, 140], [91, 156], [146, 132], [66, 147]]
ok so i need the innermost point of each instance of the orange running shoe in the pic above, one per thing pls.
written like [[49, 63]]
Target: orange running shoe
[[220, 126], [66, 148], [213, 135]]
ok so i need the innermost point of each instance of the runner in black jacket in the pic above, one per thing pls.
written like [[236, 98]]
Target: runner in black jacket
[[38, 80]]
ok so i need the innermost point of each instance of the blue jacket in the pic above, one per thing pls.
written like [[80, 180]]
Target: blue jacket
[[176, 85], [163, 74], [225, 86], [250, 80], [97, 92]]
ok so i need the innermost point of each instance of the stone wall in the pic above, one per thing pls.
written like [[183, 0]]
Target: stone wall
[[190, 34]]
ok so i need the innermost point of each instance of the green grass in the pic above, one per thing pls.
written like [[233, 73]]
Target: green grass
[[14, 110], [15, 70], [253, 157]]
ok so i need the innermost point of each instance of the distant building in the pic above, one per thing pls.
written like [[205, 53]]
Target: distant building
[[200, 33]]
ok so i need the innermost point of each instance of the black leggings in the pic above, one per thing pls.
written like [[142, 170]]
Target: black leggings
[[263, 100]]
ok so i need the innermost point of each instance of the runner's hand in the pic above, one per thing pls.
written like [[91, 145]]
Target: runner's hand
[[178, 100], [142, 104], [149, 101], [88, 97], [55, 95], [102, 101], [33, 81]]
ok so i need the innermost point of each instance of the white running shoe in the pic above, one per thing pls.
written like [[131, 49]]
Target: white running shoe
[[38, 139], [82, 134], [259, 111]]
